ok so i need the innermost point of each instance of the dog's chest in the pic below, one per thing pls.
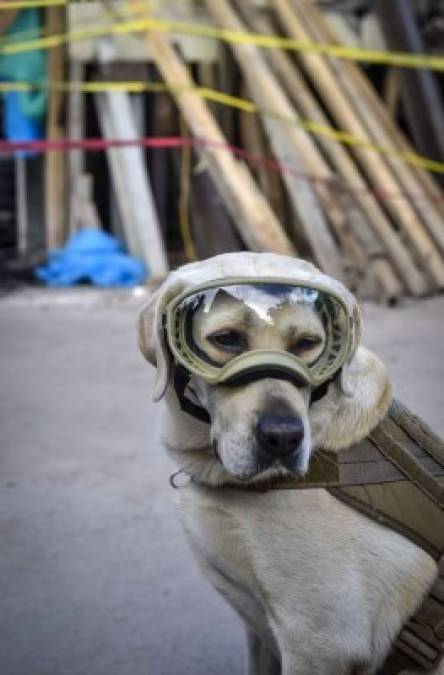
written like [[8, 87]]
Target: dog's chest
[[304, 561]]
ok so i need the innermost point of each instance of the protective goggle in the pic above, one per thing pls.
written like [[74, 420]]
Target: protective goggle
[[233, 330]]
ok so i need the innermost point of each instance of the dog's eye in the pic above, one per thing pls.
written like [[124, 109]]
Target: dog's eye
[[305, 344], [228, 340]]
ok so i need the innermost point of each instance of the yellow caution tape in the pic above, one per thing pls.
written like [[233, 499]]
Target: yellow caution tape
[[26, 4], [236, 102], [401, 59], [41, 31]]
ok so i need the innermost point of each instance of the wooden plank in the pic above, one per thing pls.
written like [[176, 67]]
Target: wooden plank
[[85, 212], [256, 223], [401, 176], [254, 140], [369, 213], [290, 143], [21, 206], [131, 185], [414, 180], [163, 114], [55, 161], [129, 47], [76, 130], [117, 177], [333, 93], [420, 91], [213, 231]]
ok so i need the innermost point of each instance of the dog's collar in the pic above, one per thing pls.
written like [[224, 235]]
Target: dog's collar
[[324, 471]]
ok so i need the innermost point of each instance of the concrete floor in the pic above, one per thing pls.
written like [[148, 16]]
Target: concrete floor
[[95, 575]]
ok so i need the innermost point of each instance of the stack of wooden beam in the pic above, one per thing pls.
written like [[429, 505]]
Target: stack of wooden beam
[[364, 216]]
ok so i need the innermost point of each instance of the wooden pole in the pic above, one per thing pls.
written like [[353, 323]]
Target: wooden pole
[[256, 223], [76, 124], [131, 183], [291, 145], [342, 108], [55, 161], [424, 110], [414, 180], [369, 213], [213, 232]]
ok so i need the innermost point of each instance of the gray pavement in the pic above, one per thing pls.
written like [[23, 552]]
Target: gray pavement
[[95, 575]]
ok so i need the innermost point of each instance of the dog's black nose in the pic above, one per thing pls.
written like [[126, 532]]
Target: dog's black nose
[[279, 435]]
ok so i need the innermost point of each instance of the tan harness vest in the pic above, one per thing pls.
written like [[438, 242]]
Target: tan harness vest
[[395, 476]]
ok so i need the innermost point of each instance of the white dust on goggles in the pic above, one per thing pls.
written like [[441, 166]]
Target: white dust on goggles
[[228, 333]]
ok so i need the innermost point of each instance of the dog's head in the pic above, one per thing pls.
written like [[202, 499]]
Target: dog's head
[[268, 425]]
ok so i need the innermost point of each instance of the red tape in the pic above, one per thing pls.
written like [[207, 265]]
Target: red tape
[[98, 144]]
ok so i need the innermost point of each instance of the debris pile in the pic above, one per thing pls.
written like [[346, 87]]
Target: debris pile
[[223, 126]]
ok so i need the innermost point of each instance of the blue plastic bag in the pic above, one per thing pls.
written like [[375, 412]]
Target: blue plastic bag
[[94, 256]]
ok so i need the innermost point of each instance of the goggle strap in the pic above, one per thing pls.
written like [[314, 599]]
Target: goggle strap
[[321, 390], [181, 380]]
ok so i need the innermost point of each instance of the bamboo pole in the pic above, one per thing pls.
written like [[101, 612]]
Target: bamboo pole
[[369, 213], [254, 140], [419, 87], [54, 176], [254, 219], [292, 145], [386, 132], [393, 133], [342, 109], [428, 190]]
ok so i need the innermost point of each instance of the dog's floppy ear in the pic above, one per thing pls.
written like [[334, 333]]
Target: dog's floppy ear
[[152, 341], [350, 410]]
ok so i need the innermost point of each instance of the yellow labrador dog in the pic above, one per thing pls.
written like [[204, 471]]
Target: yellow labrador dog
[[322, 589]]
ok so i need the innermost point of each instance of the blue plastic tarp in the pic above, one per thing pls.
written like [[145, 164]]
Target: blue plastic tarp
[[92, 256]]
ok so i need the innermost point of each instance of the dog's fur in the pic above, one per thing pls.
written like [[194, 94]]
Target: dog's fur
[[321, 588]]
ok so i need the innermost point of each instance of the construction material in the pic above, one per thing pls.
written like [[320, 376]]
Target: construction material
[[131, 185], [256, 223], [351, 113], [422, 99], [255, 143], [55, 211], [361, 206], [83, 209], [75, 125], [21, 207], [290, 143], [212, 228], [273, 151], [417, 183]]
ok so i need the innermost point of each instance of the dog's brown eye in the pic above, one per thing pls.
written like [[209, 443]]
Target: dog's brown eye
[[305, 344], [228, 340]]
